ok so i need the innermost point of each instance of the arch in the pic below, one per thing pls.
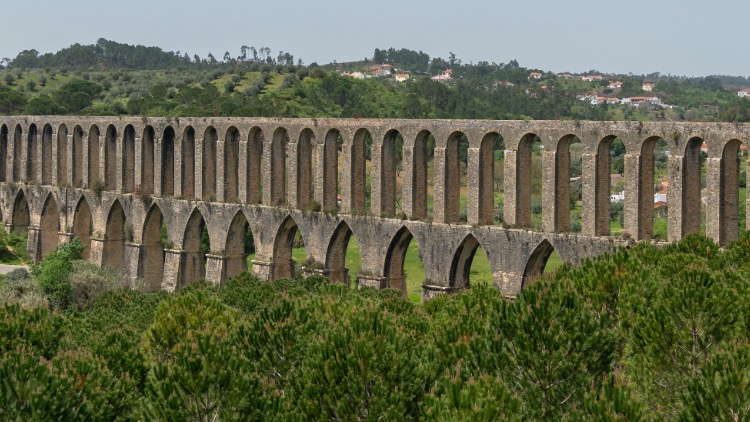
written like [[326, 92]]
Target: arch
[[451, 177], [278, 166], [486, 178], [77, 157], [395, 257], [128, 159], [304, 168], [195, 256], [4, 158], [645, 179], [21, 217], [253, 179], [417, 193], [389, 160], [330, 170], [210, 139], [561, 187], [236, 247], [167, 162], [114, 238], [93, 155], [602, 186], [536, 263], [358, 171], [17, 153], [151, 268], [336, 254], [231, 164], [50, 227], [461, 264], [110, 158], [282, 249], [188, 163], [691, 189], [62, 154], [147, 160], [82, 226], [32, 147], [521, 182], [729, 192], [47, 155]]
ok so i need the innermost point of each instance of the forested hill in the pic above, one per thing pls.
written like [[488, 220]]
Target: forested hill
[[111, 78]]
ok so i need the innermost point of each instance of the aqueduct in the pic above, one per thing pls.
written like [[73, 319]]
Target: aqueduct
[[115, 182]]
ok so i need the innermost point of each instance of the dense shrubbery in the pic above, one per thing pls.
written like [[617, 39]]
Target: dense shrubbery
[[644, 333]]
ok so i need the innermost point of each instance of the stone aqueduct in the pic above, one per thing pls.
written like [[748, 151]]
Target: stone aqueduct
[[277, 176]]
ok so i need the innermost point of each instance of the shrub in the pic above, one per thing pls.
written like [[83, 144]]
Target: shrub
[[52, 273]]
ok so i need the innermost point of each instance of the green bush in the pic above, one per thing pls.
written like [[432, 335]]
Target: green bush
[[53, 273]]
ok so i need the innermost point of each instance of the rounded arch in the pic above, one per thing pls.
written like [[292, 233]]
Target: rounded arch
[[728, 205], [167, 162], [231, 164], [147, 160], [451, 196], [336, 254], [358, 171], [20, 217], [17, 152], [393, 269], [47, 154], [114, 237], [82, 226], [520, 186], [485, 174], [390, 159], [330, 170], [238, 246], [417, 192], [32, 146], [151, 268], [187, 170], [304, 168], [110, 158], [284, 265], [77, 156], [278, 166], [208, 175], [560, 220], [195, 253], [691, 212], [600, 213], [461, 263], [128, 159], [536, 263], [93, 146], [254, 158], [50, 227], [4, 158], [62, 154]]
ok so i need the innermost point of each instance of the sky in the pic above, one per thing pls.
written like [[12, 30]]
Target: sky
[[678, 37]]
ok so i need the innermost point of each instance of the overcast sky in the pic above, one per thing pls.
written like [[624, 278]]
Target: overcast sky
[[681, 37]]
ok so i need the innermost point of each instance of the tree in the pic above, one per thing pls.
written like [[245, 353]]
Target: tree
[[11, 101]]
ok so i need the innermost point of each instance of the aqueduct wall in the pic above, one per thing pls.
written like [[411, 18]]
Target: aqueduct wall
[[115, 181]]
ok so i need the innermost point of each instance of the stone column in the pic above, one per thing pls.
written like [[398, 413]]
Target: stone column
[[131, 263], [376, 282], [220, 170], [263, 269], [516, 212], [683, 176], [292, 195], [157, 166], [409, 184], [348, 202], [242, 170], [69, 160], [592, 213], [97, 251], [119, 155], [177, 172], [174, 269], [378, 206], [440, 201], [722, 223], [63, 237], [54, 162], [216, 269], [474, 200], [266, 175], [199, 193], [429, 291], [556, 192], [34, 243], [639, 197]]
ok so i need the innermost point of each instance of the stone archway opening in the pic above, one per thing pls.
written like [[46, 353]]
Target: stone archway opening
[[114, 238], [167, 162], [196, 244], [128, 159], [343, 257], [3, 152], [609, 208], [240, 246], [151, 268], [62, 154], [278, 167], [188, 163], [404, 269], [305, 182], [110, 158], [528, 183], [82, 226], [21, 216], [537, 263], [391, 180], [47, 155], [208, 182], [456, 160], [469, 265], [77, 156], [693, 189], [231, 164], [50, 227], [32, 164], [730, 209], [94, 177], [254, 160], [567, 191], [359, 181], [490, 179], [331, 147], [147, 161], [17, 152], [289, 250], [422, 190]]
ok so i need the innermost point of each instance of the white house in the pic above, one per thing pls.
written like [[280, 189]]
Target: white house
[[744, 92], [647, 86], [614, 85], [535, 75]]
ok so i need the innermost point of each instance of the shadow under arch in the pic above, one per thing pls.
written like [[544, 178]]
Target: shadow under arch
[[20, 217], [114, 238], [82, 226], [336, 254], [461, 264], [151, 263], [537, 262], [237, 248], [50, 227], [195, 256], [394, 260], [284, 265], [304, 168]]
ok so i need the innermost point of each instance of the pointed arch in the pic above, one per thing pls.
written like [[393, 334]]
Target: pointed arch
[[128, 159], [77, 157], [187, 169], [147, 160], [395, 257], [231, 164], [278, 166], [114, 237], [62, 154], [50, 227], [151, 268], [47, 155], [167, 162], [94, 147], [330, 170], [195, 256], [304, 168], [32, 147], [17, 153], [336, 254], [461, 263], [21, 217], [82, 226], [236, 246], [536, 263], [253, 174], [4, 158], [110, 158], [210, 139], [282, 249]]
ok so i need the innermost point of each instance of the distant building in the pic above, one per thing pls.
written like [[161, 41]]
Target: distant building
[[401, 77], [445, 76], [503, 83], [591, 78], [744, 92], [648, 86], [535, 75], [566, 75], [614, 85]]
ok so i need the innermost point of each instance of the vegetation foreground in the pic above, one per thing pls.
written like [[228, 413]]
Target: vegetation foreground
[[638, 334]]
